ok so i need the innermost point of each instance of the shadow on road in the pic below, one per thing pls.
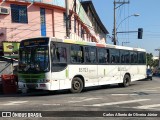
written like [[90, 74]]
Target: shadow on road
[[34, 93]]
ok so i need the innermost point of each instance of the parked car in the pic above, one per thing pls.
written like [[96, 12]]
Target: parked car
[[149, 74]]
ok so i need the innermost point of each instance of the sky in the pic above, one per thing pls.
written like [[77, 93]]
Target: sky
[[148, 19]]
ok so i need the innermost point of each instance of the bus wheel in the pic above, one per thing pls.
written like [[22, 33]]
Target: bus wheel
[[77, 85], [126, 81]]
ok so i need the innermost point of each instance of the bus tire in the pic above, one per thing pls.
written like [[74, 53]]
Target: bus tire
[[126, 81], [77, 85]]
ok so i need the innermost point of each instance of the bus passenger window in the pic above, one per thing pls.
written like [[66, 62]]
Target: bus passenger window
[[115, 56], [90, 54], [59, 55], [141, 58], [134, 57], [125, 56], [77, 54], [103, 55]]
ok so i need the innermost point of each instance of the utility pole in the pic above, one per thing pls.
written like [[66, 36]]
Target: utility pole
[[159, 57], [67, 19], [114, 28]]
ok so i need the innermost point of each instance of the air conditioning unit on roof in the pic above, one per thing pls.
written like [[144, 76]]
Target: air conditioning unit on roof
[[4, 10]]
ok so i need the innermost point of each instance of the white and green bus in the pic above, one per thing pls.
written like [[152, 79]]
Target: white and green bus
[[55, 64]]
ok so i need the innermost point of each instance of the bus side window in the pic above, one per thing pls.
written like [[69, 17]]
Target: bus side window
[[115, 56], [87, 54], [112, 59], [77, 54], [125, 56], [103, 55], [134, 57], [59, 54], [141, 57], [53, 52], [107, 56], [90, 54]]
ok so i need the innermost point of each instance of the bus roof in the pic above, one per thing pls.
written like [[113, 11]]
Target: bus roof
[[91, 44], [97, 44]]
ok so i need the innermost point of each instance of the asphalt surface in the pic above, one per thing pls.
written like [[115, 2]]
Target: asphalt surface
[[103, 102]]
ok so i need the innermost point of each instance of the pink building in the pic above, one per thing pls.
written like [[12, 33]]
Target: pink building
[[21, 19]]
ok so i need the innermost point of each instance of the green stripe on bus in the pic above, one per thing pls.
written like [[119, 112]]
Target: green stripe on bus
[[30, 78], [80, 42], [66, 73]]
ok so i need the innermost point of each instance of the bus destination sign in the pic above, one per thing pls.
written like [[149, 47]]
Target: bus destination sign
[[34, 42]]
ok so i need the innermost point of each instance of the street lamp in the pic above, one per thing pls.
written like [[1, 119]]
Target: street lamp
[[135, 15], [115, 28]]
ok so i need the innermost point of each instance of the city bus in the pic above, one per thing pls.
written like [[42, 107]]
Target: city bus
[[49, 63]]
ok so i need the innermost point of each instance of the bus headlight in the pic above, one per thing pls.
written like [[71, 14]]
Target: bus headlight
[[47, 80]]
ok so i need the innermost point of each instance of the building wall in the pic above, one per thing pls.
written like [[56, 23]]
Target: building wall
[[55, 24], [19, 31], [49, 22], [59, 25]]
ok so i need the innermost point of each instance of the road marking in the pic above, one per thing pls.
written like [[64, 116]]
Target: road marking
[[88, 99], [148, 90], [147, 106], [122, 94], [155, 88], [78, 98], [116, 103], [15, 102], [52, 104]]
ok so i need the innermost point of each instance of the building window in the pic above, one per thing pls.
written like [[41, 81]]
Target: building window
[[75, 24], [82, 32], [78, 29], [19, 13], [64, 18], [43, 22]]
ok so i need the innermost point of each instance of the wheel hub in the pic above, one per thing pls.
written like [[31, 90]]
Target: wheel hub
[[76, 85]]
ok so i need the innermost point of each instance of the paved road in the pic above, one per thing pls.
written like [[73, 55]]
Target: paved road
[[141, 96]]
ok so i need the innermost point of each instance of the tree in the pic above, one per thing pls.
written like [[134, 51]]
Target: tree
[[149, 59], [155, 63]]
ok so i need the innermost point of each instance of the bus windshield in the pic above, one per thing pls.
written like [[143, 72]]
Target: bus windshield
[[34, 59]]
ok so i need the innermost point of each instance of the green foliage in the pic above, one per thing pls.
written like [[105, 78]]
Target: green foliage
[[150, 61], [155, 63]]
